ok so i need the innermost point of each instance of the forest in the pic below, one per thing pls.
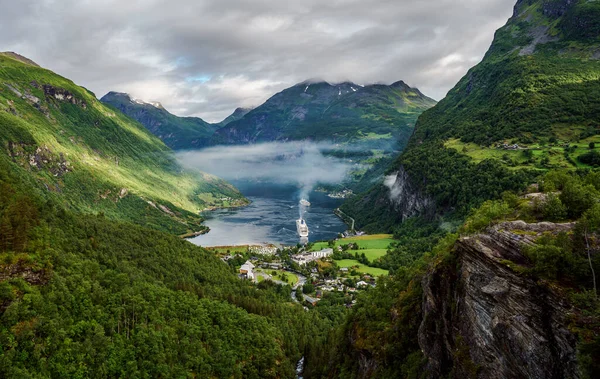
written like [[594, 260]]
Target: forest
[[84, 296]]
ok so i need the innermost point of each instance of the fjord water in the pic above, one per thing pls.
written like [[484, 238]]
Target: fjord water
[[271, 217]]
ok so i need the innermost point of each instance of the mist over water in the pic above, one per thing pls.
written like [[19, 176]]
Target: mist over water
[[275, 177], [302, 164]]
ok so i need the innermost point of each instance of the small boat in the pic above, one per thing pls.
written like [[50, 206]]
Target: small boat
[[305, 203], [302, 227]]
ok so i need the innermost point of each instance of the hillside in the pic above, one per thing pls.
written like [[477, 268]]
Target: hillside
[[531, 105], [85, 296], [176, 132], [92, 159], [331, 112]]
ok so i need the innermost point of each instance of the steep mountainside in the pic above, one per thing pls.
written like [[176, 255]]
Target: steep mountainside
[[531, 105], [176, 132], [93, 159], [337, 112], [84, 291]]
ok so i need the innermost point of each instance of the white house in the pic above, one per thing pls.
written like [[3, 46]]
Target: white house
[[248, 270], [322, 254]]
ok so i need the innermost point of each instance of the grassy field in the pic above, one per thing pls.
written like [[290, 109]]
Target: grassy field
[[373, 246], [349, 263], [555, 153], [292, 278], [374, 241]]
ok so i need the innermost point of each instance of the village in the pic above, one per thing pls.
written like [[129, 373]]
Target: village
[[339, 268]]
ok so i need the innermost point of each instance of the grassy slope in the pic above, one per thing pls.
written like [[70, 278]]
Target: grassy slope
[[89, 155]]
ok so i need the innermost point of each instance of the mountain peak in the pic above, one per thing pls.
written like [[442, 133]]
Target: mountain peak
[[128, 97], [400, 84]]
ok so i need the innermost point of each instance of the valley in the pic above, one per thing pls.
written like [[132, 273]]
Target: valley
[[333, 229]]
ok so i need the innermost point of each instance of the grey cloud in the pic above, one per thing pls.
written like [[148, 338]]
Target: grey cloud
[[205, 58]]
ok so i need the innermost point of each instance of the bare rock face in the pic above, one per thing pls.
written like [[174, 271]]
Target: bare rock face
[[406, 200], [484, 320], [29, 274], [61, 94]]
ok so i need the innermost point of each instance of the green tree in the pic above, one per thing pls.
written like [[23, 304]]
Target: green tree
[[308, 288], [578, 198], [553, 209]]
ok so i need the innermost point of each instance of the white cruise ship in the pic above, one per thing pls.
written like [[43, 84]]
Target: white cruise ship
[[302, 227], [305, 203]]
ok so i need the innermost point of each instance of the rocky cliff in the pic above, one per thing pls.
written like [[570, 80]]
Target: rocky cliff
[[406, 200], [483, 319]]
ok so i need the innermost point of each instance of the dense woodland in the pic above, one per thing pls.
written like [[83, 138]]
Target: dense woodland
[[84, 296]]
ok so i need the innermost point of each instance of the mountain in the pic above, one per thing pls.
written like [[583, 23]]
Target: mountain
[[176, 132], [531, 105], [236, 115], [334, 112], [93, 159], [88, 286]]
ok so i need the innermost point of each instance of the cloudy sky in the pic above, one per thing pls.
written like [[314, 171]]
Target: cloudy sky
[[207, 57]]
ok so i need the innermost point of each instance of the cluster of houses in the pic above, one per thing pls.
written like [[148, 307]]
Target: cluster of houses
[[304, 258], [507, 146], [337, 285], [263, 250]]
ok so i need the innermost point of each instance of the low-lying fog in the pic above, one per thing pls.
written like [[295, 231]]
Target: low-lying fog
[[302, 164]]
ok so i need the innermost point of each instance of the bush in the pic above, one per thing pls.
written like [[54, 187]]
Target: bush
[[592, 158], [483, 217], [578, 198], [552, 257]]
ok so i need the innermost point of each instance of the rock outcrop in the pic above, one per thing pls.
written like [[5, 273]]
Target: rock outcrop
[[63, 95], [484, 320], [406, 200]]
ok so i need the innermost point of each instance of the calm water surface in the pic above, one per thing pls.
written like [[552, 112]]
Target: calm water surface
[[271, 218]]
